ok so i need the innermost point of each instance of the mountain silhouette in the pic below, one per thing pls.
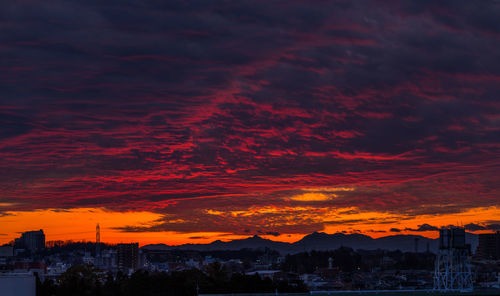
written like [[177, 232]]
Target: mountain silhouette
[[321, 241]]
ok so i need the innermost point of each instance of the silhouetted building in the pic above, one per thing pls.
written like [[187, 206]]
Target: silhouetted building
[[128, 256], [452, 237], [31, 240], [489, 246], [6, 251]]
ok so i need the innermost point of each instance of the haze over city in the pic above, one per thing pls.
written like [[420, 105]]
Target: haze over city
[[189, 122]]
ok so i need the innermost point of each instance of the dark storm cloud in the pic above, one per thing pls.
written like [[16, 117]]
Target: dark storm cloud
[[197, 237], [474, 227], [423, 227], [482, 226], [273, 233], [493, 227], [141, 104]]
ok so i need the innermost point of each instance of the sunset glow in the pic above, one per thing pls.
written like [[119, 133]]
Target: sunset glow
[[190, 122]]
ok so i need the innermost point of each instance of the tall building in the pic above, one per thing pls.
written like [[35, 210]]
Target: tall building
[[128, 256], [31, 240], [489, 246]]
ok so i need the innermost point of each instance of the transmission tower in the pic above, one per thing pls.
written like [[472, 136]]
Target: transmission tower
[[98, 245], [452, 266]]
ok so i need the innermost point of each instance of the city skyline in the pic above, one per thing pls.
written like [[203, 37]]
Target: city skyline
[[190, 122], [425, 231]]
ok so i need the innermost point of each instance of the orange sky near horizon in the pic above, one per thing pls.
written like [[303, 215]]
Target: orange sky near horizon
[[79, 225], [188, 123]]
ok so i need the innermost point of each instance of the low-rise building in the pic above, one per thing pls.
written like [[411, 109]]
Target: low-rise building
[[6, 251], [17, 284], [30, 267], [489, 246]]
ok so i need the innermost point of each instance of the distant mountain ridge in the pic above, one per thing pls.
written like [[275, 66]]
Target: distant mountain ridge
[[321, 241]]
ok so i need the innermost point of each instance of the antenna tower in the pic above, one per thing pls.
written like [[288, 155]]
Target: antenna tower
[[98, 243]]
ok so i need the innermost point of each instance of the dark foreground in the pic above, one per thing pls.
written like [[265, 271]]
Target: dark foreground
[[360, 293]]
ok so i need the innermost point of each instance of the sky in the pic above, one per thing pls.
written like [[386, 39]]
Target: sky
[[190, 121]]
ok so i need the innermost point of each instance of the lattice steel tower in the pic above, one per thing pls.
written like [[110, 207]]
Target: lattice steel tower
[[452, 266], [97, 245]]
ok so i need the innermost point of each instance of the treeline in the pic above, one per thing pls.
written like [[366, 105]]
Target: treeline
[[56, 247], [176, 254], [68, 246], [349, 260], [86, 280], [243, 254]]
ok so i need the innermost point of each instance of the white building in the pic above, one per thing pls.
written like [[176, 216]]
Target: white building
[[17, 284], [193, 263], [87, 258]]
